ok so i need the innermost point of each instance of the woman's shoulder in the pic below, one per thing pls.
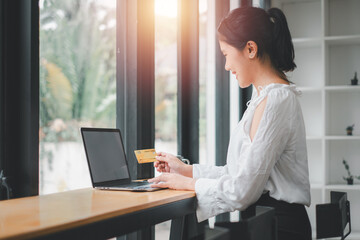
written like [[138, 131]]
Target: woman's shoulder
[[283, 96], [283, 91]]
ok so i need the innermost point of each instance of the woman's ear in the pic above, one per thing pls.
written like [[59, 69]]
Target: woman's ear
[[251, 49]]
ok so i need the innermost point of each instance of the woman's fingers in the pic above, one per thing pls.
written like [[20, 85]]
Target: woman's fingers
[[165, 157], [161, 166], [161, 169], [160, 178], [162, 158], [153, 179], [166, 162], [172, 181], [162, 154], [159, 181], [159, 185], [158, 164]]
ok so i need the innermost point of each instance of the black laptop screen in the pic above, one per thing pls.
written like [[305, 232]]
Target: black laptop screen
[[106, 155]]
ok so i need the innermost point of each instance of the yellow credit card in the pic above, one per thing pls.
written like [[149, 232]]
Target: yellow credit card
[[145, 155]]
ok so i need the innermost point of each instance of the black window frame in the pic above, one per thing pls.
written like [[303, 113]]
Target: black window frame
[[19, 94]]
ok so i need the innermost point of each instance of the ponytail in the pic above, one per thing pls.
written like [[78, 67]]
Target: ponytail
[[283, 50], [269, 30]]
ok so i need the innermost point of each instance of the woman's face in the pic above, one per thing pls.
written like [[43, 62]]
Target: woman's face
[[237, 62]]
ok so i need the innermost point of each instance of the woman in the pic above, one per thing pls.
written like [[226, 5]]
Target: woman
[[267, 157]]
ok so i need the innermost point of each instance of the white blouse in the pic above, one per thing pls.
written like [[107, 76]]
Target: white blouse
[[275, 161]]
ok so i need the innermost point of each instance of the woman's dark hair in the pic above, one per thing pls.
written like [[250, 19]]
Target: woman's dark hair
[[268, 29]]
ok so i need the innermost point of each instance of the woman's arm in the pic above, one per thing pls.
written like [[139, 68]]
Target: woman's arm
[[208, 171], [168, 163]]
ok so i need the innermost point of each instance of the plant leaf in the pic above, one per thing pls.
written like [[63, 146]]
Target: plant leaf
[[61, 91]]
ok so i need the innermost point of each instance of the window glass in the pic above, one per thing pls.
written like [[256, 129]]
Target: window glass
[[77, 85], [207, 81], [234, 88], [234, 107], [165, 86], [166, 75], [207, 45]]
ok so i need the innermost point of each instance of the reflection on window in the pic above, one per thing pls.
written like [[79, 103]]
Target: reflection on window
[[207, 81], [166, 75], [165, 86], [77, 85], [207, 84]]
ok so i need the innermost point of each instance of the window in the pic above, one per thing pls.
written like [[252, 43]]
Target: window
[[165, 86], [207, 82], [207, 46], [77, 86], [166, 75]]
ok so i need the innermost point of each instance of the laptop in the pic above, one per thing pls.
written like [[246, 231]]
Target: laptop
[[107, 161]]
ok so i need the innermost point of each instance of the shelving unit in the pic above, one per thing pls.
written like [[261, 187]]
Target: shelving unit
[[326, 37]]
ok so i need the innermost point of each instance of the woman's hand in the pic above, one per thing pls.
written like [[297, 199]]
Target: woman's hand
[[168, 163], [173, 181]]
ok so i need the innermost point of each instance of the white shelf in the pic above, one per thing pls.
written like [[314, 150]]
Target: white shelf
[[310, 89], [317, 186], [343, 40], [313, 137], [307, 42], [343, 88], [354, 187], [326, 38], [342, 137]]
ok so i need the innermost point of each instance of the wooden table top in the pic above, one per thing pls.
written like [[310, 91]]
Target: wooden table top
[[41, 215]]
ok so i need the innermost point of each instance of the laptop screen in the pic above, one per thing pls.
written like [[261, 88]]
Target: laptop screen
[[105, 155]]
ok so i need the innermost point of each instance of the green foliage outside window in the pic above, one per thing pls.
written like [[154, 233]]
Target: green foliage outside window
[[77, 67]]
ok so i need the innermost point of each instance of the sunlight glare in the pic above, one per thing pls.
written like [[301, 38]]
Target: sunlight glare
[[166, 8]]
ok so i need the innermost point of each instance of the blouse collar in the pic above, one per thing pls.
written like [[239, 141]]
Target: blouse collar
[[264, 90]]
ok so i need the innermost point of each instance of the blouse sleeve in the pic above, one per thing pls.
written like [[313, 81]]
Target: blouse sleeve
[[237, 191], [208, 171]]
